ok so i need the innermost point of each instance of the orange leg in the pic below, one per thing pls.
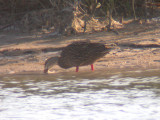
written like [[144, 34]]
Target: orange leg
[[92, 67], [77, 68]]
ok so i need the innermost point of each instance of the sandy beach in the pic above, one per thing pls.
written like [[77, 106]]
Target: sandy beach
[[139, 49]]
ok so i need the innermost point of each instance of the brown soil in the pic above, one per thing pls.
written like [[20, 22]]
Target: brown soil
[[139, 43]]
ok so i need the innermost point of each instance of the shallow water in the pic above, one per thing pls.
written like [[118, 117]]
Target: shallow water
[[132, 95]]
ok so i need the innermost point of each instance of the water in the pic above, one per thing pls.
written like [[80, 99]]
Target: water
[[132, 95]]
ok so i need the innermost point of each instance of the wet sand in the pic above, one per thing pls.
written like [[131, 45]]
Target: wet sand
[[21, 53]]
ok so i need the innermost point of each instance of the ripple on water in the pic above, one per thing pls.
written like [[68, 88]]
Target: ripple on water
[[119, 96]]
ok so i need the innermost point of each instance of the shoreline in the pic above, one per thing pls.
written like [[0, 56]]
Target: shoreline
[[26, 54]]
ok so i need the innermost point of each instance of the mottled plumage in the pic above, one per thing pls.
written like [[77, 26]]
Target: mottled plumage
[[79, 54]]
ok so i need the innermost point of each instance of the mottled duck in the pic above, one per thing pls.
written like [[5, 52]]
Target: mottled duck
[[79, 54]]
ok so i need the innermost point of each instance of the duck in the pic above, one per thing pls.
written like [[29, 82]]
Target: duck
[[80, 53]]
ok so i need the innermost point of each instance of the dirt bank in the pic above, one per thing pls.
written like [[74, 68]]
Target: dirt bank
[[27, 53]]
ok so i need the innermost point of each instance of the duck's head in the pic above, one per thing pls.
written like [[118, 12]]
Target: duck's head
[[49, 63]]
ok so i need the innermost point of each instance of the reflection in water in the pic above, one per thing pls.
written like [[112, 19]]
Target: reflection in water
[[81, 96]]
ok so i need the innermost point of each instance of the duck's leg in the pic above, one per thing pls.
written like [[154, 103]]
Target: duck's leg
[[77, 68], [92, 67]]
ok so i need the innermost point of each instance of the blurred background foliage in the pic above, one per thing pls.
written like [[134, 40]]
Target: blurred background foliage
[[13, 11]]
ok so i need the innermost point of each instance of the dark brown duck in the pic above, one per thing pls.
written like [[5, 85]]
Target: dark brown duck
[[79, 54]]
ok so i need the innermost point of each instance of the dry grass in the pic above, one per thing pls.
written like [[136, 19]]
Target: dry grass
[[65, 17]]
